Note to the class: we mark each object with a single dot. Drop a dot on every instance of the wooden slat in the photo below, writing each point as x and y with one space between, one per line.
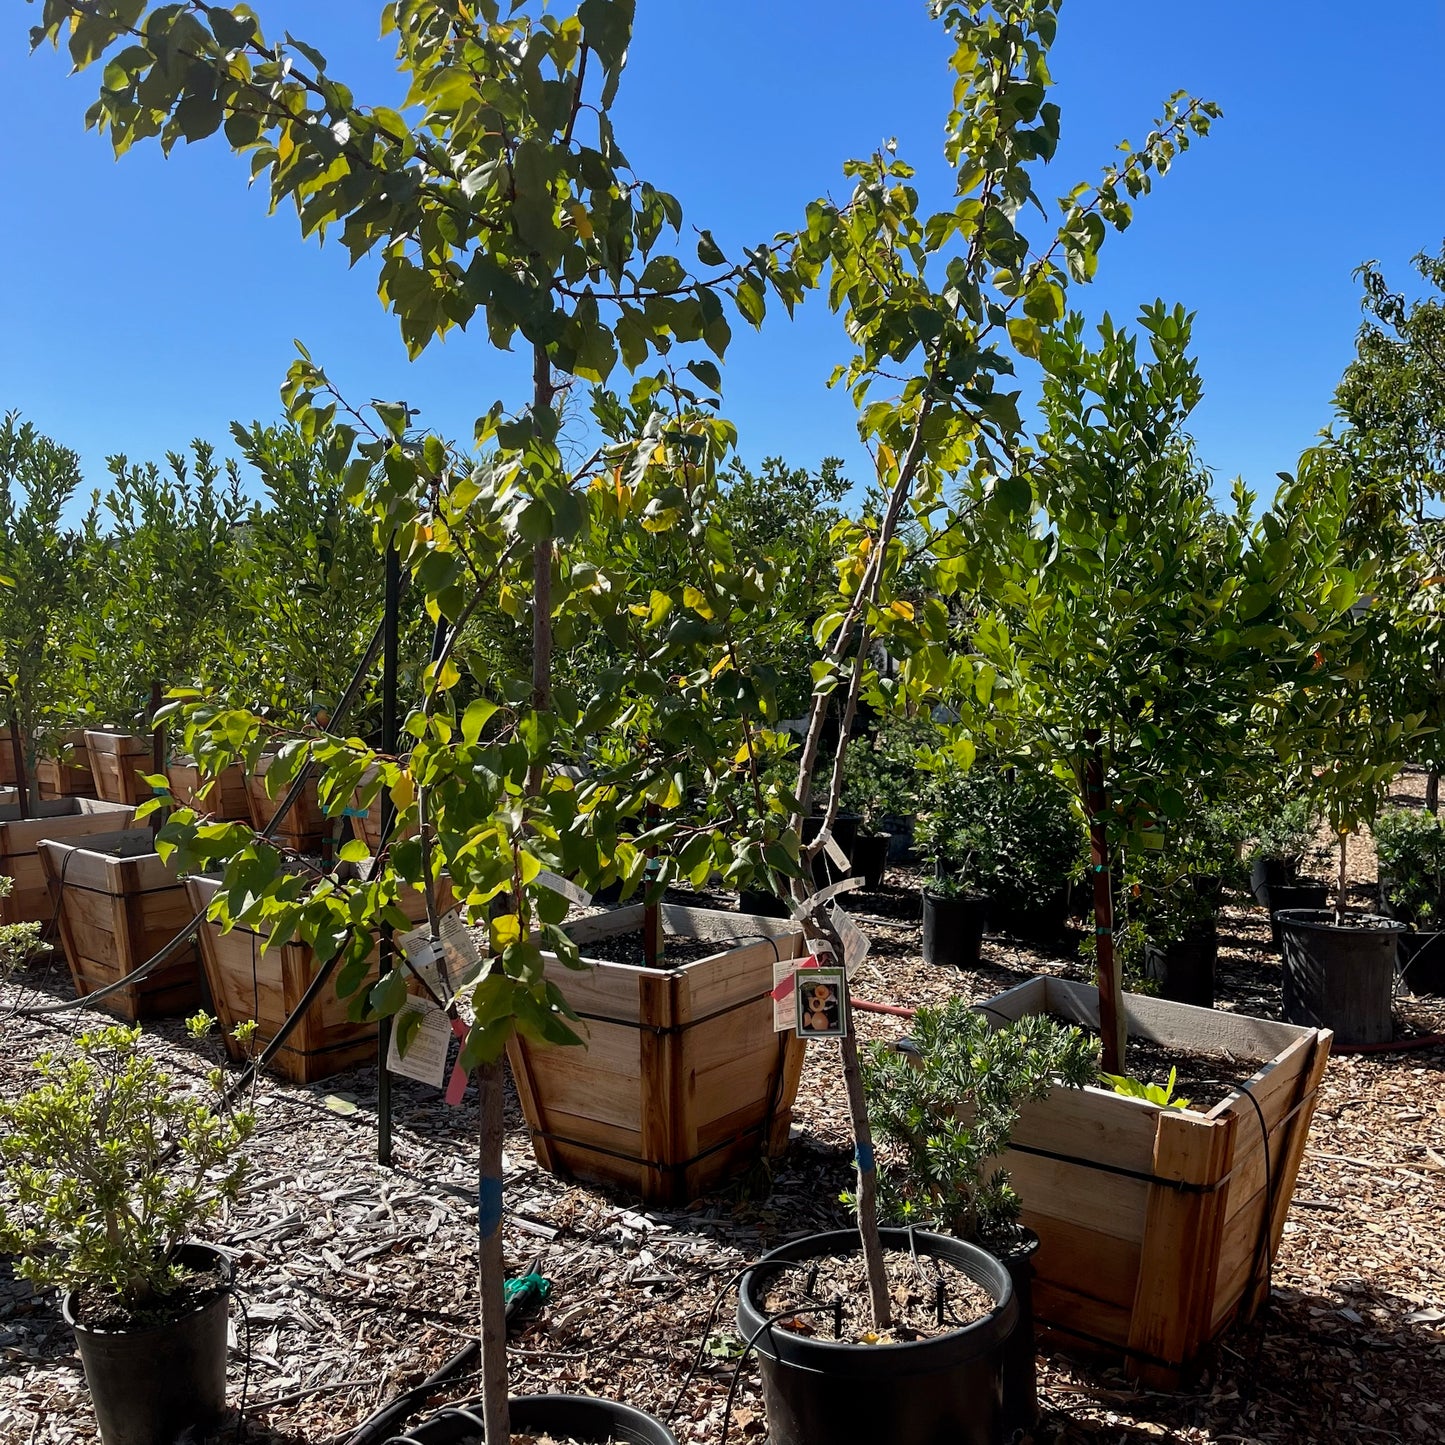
711 923
1091 1124
1179 1265
118 764
1109 1204
1087 1325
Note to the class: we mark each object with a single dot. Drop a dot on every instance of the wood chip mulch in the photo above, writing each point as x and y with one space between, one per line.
359 1281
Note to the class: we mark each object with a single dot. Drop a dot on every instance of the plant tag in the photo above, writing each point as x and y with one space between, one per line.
459 948
816 900
570 891
856 944
785 982
834 849
822 1004
426 1055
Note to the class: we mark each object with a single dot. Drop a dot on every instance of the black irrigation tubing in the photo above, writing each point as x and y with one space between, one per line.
188 931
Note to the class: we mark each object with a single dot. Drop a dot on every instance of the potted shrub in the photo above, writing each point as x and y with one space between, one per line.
944 1104
879 777
110 1171
950 833
1284 836
1410 847
19 942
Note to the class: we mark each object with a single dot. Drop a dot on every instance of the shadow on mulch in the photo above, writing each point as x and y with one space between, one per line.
1308 1369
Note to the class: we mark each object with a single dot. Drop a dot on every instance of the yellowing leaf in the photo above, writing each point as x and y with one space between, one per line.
721 665
902 609
697 599
403 792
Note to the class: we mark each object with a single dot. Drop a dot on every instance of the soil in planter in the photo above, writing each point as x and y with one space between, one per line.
105 1312
676 950
913 1286
1202 1078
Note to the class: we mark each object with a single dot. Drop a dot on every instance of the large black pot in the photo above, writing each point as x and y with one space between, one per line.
1422 962
762 904
869 857
1267 874
845 834
953 929
1020 1359
580 1418
1183 969
1307 895
942 1391
1037 920
151 1385
1340 977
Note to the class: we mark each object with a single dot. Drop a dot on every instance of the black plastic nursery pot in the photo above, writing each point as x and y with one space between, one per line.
151 1385
761 904
1037 920
845 834
579 1418
1020 1357
1422 962
1311 896
1183 969
869 857
1340 977
1267 874
947 1390
953 929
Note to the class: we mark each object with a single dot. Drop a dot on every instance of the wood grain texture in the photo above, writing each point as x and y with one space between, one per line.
304 826
62 819
1172 1254
119 763
682 1062
224 798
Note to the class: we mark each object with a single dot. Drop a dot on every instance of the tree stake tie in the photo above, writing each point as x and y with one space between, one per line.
489 1206
457 1084
863 1158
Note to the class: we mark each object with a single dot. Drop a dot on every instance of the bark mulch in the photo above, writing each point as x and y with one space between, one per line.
359 1281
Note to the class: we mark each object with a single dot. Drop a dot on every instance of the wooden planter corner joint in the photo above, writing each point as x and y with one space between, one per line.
119 905
1157 1226
304 827
682 1082
66 774
20 838
119 763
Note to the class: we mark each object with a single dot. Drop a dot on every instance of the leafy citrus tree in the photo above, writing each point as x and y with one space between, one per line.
1137 624
41 591
160 582
1392 402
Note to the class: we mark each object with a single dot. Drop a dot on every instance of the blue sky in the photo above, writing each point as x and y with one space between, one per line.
149 301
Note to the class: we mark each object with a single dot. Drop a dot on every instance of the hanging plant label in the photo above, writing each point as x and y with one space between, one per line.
821 1003
785 982
834 849
570 891
856 944
426 1055
459 949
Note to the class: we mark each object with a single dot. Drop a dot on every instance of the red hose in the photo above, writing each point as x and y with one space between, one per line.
864 1006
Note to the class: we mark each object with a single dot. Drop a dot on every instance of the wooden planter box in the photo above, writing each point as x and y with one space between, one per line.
119 906
247 983
7 758
225 798
305 826
67 774
62 818
119 763
1152 1221
683 1082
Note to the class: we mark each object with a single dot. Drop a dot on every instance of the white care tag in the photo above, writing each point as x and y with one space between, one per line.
834 849
856 944
426 1054
785 988
423 953
570 891
816 900
459 948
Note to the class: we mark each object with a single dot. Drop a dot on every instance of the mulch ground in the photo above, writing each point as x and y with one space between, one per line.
358 1281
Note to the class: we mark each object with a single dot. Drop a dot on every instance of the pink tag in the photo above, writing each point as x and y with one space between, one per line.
457 1084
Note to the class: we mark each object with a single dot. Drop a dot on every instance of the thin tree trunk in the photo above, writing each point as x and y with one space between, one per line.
543 393
1432 790
867 1185
1344 868
17 751
1112 1023
491 1268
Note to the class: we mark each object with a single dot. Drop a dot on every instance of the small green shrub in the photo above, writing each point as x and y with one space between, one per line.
88 1197
19 942
1284 828
943 1116
1410 845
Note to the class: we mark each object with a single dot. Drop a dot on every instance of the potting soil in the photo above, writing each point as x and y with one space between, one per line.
839 1296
